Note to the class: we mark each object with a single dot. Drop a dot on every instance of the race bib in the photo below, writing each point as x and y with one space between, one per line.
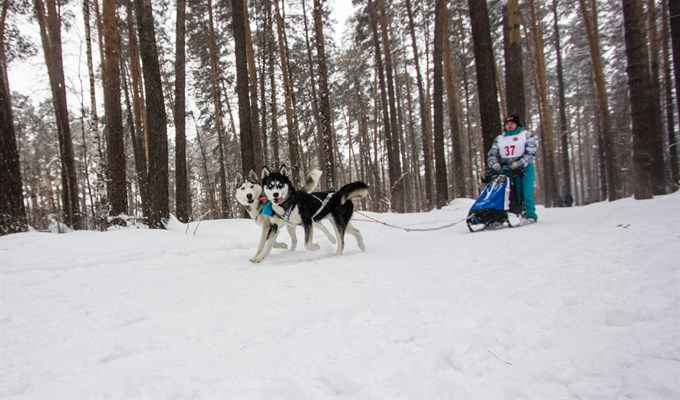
512 146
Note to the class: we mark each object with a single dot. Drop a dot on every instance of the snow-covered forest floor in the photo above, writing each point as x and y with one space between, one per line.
583 304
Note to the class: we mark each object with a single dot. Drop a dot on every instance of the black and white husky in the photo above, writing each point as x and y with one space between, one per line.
293 207
250 195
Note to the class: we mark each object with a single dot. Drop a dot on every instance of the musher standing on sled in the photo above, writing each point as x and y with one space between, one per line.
516 148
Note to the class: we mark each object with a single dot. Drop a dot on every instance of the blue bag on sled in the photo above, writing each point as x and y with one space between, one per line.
493 204
501 195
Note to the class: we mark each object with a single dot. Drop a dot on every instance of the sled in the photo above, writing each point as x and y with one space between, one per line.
501 203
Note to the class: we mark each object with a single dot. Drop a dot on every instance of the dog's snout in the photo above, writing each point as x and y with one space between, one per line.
249 196
276 195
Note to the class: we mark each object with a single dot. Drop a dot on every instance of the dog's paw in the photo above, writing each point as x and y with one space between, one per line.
280 245
313 247
256 260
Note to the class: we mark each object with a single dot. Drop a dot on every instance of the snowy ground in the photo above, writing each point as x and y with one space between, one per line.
584 304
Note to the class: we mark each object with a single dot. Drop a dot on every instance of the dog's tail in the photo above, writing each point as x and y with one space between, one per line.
353 190
312 180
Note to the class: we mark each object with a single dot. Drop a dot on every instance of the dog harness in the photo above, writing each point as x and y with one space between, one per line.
286 214
323 204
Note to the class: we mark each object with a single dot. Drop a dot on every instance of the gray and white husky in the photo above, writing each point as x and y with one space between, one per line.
250 195
296 207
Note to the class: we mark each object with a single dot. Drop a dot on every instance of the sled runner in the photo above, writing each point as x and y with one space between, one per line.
501 197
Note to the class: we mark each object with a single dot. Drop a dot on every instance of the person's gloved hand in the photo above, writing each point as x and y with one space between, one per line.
514 165
496 167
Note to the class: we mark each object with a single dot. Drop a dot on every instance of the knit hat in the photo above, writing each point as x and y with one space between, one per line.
514 117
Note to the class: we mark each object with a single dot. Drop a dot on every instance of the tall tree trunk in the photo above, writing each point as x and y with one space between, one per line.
672 140
245 128
100 201
293 134
674 18
207 182
156 119
486 74
514 69
564 129
12 209
265 52
393 143
181 180
255 131
273 101
459 173
115 144
438 106
660 177
140 131
428 156
639 84
217 102
326 118
417 191
614 191
50 33
393 158
546 115
315 101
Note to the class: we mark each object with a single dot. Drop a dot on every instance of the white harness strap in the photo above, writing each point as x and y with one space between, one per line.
323 204
286 213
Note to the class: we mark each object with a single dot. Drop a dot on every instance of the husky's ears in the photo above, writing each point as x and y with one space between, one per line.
239 178
265 172
253 175
283 170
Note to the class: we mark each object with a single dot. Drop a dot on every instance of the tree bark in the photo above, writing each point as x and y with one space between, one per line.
639 84
100 204
217 103
50 33
392 157
273 101
393 144
12 209
438 106
315 98
546 115
674 18
156 118
325 116
660 177
181 181
428 155
514 69
672 141
256 133
293 134
564 129
139 134
607 138
244 116
486 74
115 145
459 173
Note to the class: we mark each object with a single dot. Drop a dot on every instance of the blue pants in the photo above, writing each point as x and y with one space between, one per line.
527 189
